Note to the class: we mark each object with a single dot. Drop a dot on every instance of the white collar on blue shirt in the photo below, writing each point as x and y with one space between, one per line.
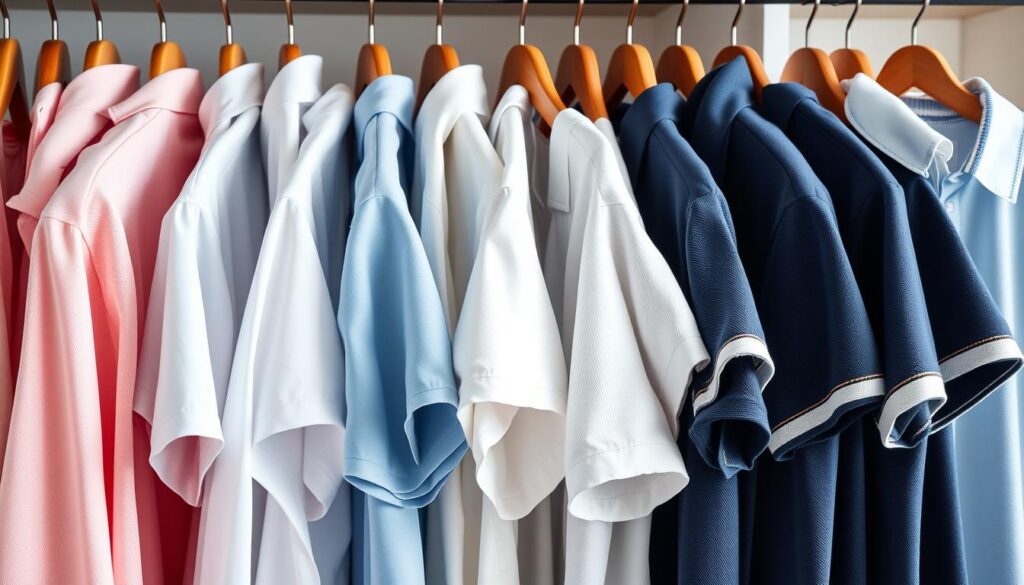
897 129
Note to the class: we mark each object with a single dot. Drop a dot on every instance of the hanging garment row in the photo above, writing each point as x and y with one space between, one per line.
399 336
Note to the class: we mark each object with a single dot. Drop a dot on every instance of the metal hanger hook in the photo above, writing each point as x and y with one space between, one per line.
7 20
736 23
163 21
522 23
371 15
576 23
913 27
629 21
679 22
439 32
99 19
291 21
849 25
810 19
54 27
229 36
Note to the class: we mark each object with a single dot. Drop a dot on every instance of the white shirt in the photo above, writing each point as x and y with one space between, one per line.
209 241
283 417
294 90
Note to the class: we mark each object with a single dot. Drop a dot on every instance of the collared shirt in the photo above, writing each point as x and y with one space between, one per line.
786 229
209 241
75 506
283 418
294 90
726 423
403 437
959 175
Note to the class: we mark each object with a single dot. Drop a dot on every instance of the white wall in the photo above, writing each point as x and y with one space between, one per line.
992 48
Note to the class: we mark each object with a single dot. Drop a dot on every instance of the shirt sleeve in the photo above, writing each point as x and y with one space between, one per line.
634 349
511 365
976 350
404 439
178 391
827 369
54 525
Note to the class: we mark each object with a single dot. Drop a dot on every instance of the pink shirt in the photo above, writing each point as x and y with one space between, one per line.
78 503
12 165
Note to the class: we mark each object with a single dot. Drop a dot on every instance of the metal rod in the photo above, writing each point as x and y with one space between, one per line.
810 19
372 15
7 19
701 2
736 23
849 25
522 23
679 22
576 23
228 33
163 21
54 26
99 19
629 22
291 21
913 27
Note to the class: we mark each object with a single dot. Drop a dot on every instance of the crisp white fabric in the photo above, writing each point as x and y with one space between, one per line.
209 241
294 90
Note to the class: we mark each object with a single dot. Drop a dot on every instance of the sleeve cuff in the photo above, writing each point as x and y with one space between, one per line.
973 372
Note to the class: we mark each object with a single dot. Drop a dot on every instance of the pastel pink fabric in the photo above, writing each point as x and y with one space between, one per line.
12 165
78 502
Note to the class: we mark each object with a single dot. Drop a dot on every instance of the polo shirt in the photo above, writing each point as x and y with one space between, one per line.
76 504
209 241
959 177
403 438
283 418
726 423
786 230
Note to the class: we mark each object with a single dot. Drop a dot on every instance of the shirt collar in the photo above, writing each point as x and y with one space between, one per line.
713 104
178 90
388 94
236 91
656 104
515 97
95 89
460 91
336 100
298 81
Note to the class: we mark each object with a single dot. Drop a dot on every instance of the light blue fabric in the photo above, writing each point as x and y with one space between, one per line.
403 437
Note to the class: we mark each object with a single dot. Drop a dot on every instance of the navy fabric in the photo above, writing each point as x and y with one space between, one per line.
872 215
827 371
724 422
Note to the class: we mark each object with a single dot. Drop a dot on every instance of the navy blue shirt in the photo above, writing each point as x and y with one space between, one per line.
725 421
815 322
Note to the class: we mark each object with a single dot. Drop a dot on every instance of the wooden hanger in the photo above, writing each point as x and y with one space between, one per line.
927 70
680 64
630 69
374 60
232 55
579 76
811 68
166 55
525 65
100 51
753 60
54 63
849 62
13 97
289 51
437 61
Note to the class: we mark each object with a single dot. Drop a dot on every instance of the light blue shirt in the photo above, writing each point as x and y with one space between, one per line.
403 437
976 170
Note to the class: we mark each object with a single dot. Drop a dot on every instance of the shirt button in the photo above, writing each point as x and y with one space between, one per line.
950 206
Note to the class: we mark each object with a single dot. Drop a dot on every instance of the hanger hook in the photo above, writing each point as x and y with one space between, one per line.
228 33
291 21
522 23
629 21
576 23
163 21
54 28
913 27
849 24
439 32
810 19
679 22
371 15
736 22
99 19
7 20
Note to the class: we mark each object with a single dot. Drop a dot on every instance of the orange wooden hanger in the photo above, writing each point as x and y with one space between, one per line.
166 55
289 51
579 76
680 64
630 69
13 97
437 61
754 63
927 70
232 55
525 65
811 68
100 51
374 60
54 63
849 62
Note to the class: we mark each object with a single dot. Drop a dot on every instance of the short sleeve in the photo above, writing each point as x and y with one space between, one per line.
976 350
404 438
827 372
178 390
635 347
